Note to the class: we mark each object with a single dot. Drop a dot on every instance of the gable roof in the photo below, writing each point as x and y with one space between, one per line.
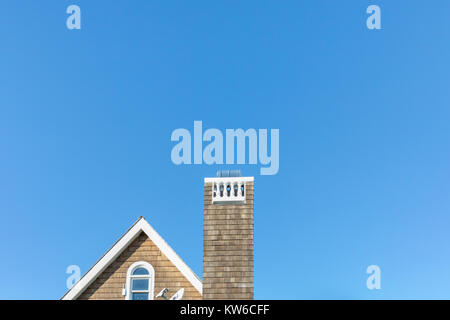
141 225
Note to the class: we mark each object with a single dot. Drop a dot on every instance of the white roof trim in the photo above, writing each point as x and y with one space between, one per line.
120 246
229 179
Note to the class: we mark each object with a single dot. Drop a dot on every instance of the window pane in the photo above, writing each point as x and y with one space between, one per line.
139 284
139 296
140 271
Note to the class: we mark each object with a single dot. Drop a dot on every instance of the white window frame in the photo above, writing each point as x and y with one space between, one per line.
150 277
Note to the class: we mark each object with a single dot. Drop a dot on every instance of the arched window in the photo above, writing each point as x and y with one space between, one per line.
140 281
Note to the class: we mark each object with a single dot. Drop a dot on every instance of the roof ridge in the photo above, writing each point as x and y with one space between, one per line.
120 245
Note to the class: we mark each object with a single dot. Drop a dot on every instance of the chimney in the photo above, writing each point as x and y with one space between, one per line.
228 237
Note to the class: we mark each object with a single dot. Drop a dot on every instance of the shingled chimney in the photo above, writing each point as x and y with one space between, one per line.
228 237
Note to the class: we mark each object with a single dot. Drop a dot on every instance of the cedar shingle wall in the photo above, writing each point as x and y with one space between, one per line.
228 248
108 286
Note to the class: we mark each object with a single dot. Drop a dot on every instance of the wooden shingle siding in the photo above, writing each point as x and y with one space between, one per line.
109 284
228 248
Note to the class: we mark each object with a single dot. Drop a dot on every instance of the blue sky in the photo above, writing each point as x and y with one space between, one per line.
86 118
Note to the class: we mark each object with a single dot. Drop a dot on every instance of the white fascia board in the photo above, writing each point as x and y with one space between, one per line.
103 263
229 179
120 246
172 256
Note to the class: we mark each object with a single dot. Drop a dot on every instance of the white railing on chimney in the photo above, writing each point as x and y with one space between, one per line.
228 190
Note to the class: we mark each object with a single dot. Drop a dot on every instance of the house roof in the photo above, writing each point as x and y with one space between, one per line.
141 225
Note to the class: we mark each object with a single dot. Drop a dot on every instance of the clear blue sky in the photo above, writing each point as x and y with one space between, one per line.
86 118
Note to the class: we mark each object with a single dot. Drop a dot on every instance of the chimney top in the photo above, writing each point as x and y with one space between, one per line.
229 189
228 173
